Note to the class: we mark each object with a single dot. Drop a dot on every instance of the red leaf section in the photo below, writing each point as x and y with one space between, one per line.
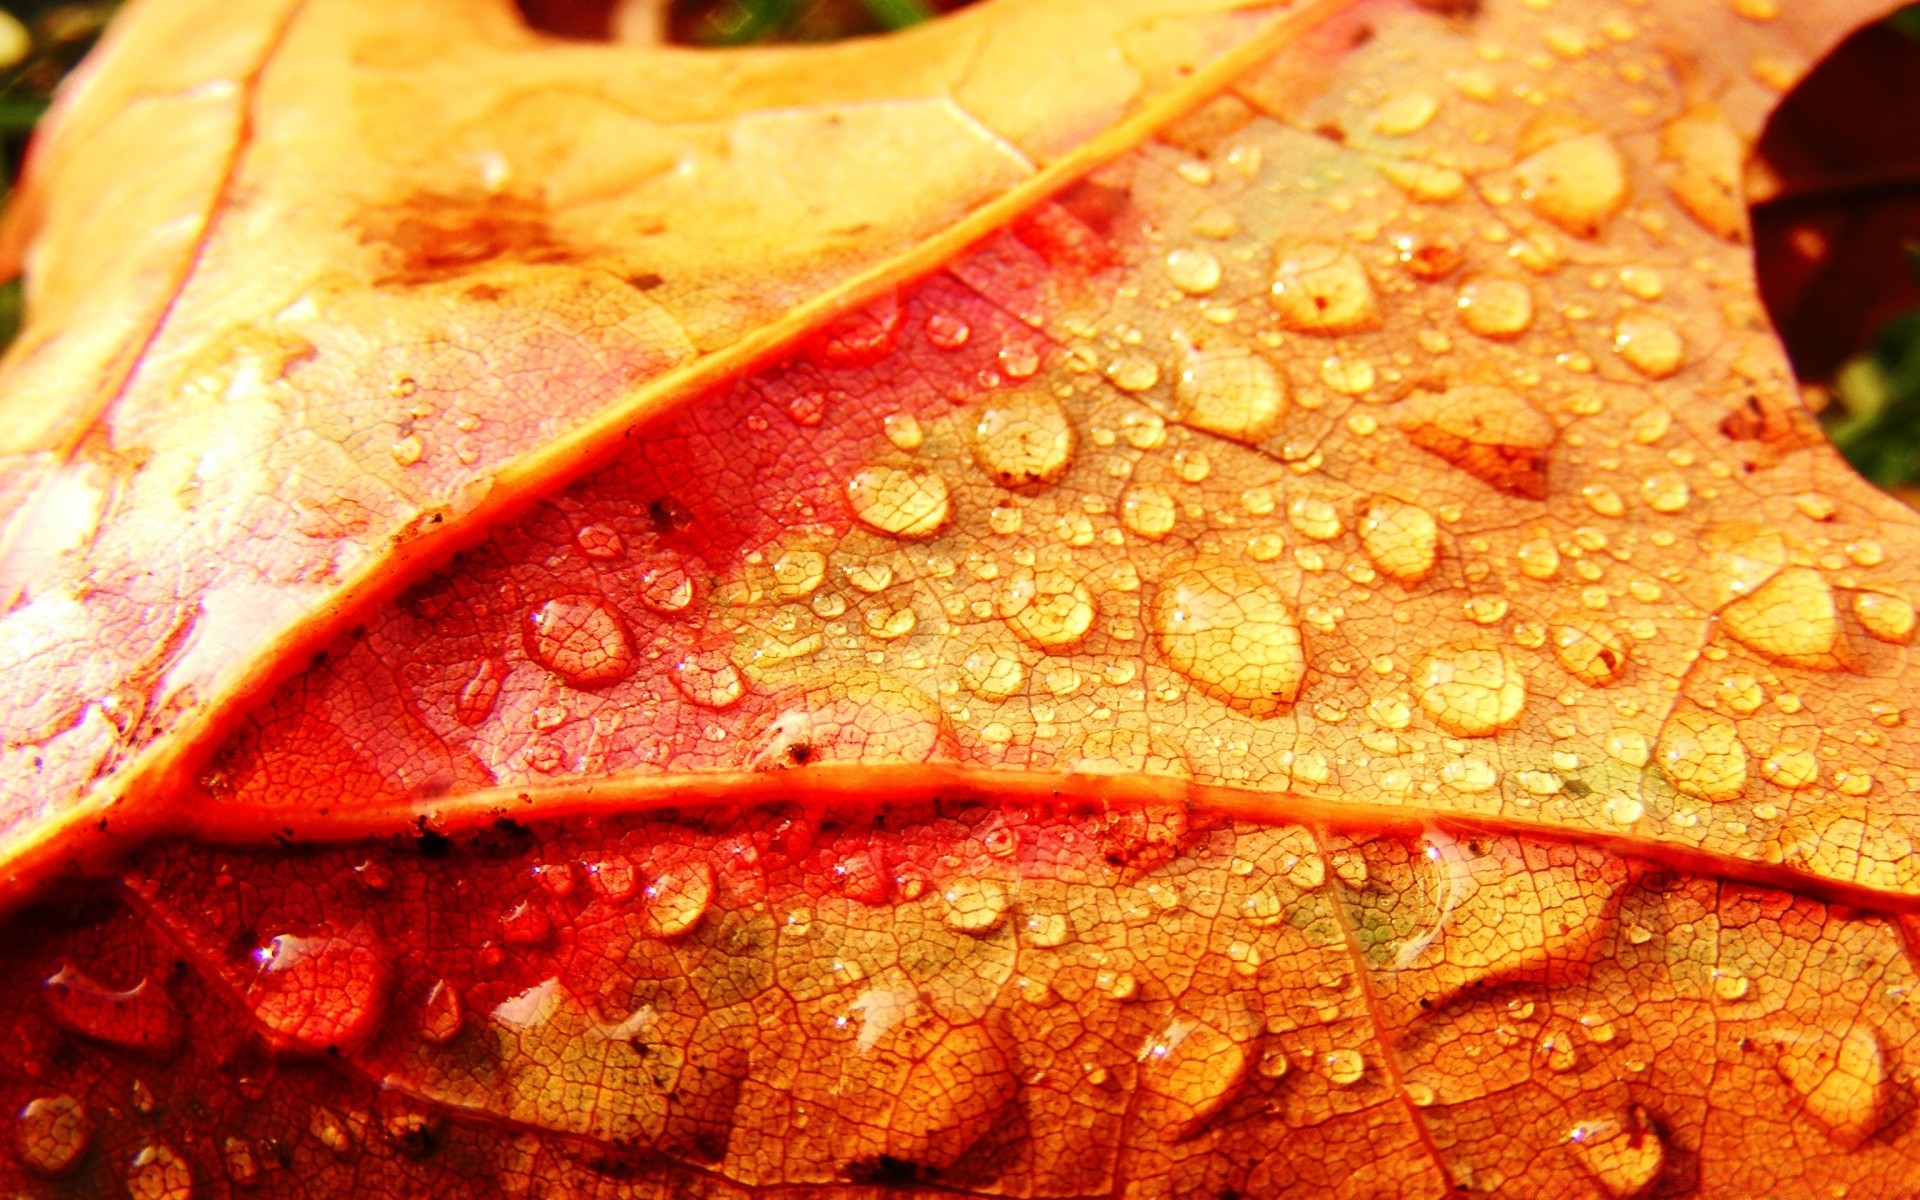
598 635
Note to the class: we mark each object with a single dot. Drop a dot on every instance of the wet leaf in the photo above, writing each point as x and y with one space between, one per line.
1254 612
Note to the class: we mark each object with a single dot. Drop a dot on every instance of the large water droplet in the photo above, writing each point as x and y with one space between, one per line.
1320 288
1231 391
1887 617
1224 627
1022 439
1490 433
157 1172
1576 183
1470 689
1701 755
582 639
1148 511
52 1134
1790 618
1706 160
709 679
906 502
1495 308
1401 539
1195 1069
1650 344
975 906
140 1018
1050 610
1845 1081
677 898
319 993
1624 1156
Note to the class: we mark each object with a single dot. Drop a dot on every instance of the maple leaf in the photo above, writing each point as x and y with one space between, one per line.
1167 598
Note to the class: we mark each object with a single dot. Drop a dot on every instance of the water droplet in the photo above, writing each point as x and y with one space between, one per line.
442 1014
1419 1094
330 1131
797 574
1046 930
408 450
1791 767
1148 511
1117 985
1224 627
613 877
1624 1156
1537 558
975 906
1589 648
905 502
1344 1067
1470 689
1490 433
1706 160
1022 440
1576 183
1314 517
1195 272
1320 288
1231 391
993 672
1556 1050
1400 539
1665 492
1133 373
140 1018
1495 308
947 331
157 1172
1346 374
1049 610
1405 113
1701 755
243 1167
480 692
676 899
583 639
52 1134
319 993
709 679
1844 1081
1887 617
599 541
1195 1070
1791 618
1650 344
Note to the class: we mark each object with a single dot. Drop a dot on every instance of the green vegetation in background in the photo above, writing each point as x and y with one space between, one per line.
741 22
1875 417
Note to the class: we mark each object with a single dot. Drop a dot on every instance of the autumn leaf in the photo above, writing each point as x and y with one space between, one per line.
1148 598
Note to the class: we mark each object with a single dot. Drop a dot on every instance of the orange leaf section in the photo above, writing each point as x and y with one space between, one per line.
1008 1001
310 281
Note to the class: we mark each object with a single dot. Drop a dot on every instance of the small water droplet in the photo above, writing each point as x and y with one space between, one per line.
1624 1156
1650 344
1588 648
1022 439
1195 1069
947 331
1320 288
330 1131
1049 610
1400 539
1844 1078
140 1018
1495 308
1730 985
1133 373
1887 617
599 541
243 1166
1490 433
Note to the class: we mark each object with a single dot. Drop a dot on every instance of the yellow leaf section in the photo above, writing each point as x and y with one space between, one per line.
436 263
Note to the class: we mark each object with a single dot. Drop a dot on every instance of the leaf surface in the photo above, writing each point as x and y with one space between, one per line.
1316 653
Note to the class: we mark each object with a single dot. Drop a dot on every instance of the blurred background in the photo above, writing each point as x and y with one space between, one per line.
1835 181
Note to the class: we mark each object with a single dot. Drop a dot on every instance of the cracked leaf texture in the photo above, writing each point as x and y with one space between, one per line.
1145 599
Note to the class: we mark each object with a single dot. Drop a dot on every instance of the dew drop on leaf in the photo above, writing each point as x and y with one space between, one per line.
580 638
51 1134
321 992
1232 633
